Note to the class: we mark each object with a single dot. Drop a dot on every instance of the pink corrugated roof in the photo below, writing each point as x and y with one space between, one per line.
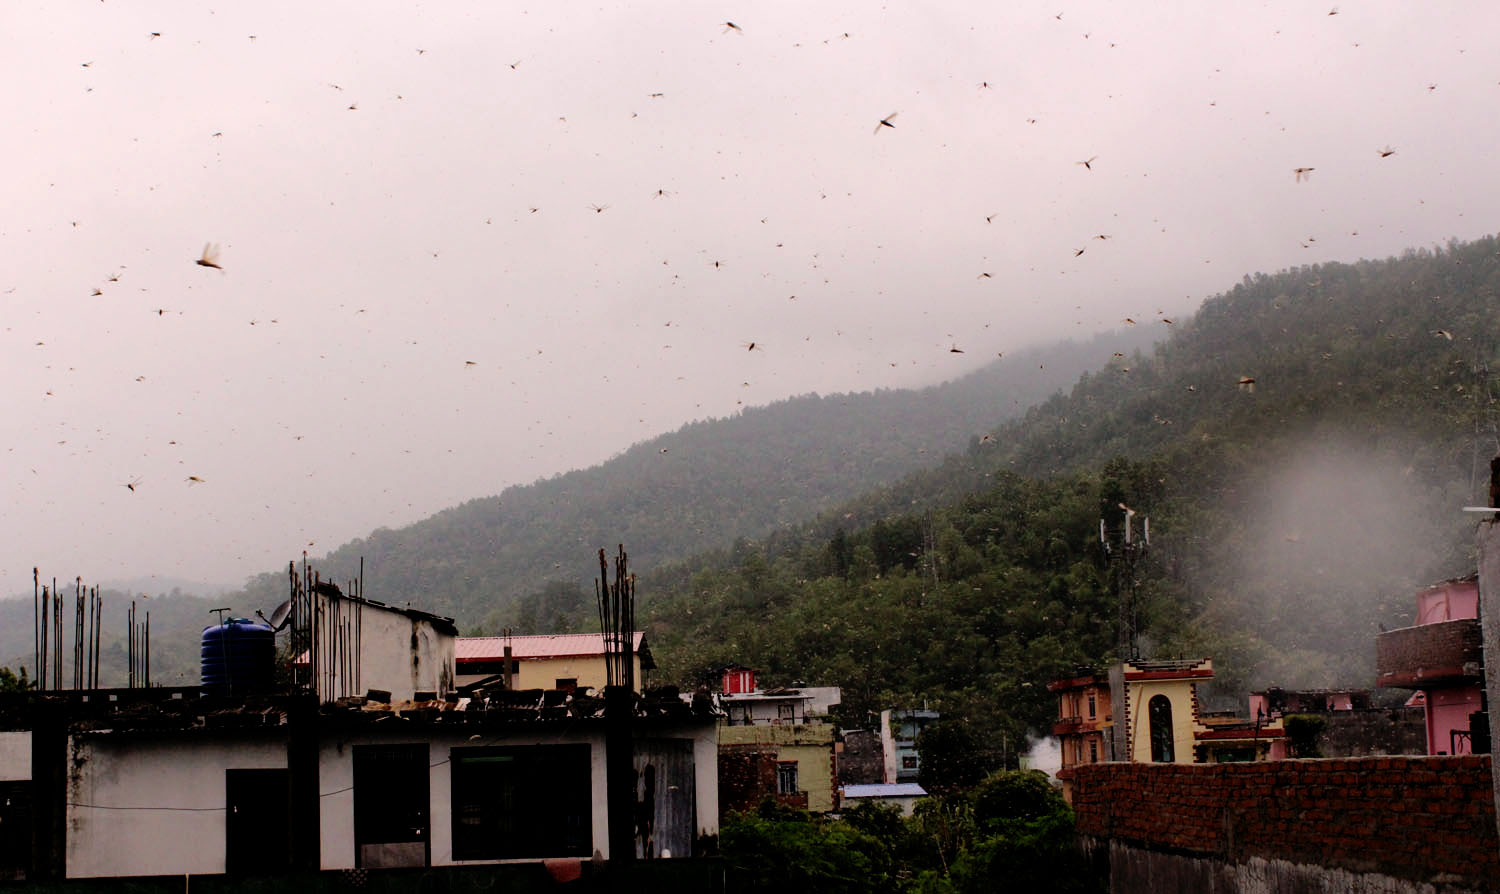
492 648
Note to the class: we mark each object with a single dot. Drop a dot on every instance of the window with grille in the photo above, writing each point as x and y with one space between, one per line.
786 778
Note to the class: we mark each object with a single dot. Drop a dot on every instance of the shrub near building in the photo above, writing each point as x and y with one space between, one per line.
1024 840
781 850
1011 832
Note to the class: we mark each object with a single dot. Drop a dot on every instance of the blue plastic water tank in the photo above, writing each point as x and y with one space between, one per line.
239 657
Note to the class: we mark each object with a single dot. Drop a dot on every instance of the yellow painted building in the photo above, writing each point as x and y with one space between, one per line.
1161 709
559 661
804 758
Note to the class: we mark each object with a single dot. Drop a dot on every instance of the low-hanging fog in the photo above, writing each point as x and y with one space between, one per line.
1328 540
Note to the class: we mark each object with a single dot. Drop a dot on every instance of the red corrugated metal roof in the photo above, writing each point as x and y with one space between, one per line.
492 648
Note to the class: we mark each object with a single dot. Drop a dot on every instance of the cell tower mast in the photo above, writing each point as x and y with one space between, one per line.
1124 546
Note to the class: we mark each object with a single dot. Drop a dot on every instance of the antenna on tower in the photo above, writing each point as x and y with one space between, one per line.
1123 547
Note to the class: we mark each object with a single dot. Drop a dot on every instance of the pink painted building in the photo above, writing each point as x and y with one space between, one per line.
1442 657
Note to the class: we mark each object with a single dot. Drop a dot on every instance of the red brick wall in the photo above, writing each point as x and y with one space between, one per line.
1409 817
1431 652
747 774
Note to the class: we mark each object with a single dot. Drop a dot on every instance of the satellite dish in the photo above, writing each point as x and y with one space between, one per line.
278 619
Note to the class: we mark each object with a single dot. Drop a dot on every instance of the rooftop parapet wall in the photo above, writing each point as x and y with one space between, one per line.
1408 817
1430 654
785 734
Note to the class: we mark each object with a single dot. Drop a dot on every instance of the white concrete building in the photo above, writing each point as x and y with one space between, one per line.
780 706
412 787
156 806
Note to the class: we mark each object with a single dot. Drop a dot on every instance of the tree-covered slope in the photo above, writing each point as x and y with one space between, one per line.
1289 521
694 489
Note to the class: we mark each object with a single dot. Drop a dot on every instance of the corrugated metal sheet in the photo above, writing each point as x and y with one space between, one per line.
888 790
492 648
666 798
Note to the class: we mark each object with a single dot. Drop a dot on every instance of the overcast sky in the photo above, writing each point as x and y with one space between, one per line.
468 245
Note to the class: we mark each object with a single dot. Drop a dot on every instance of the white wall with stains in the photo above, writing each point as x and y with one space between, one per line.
140 805
397 652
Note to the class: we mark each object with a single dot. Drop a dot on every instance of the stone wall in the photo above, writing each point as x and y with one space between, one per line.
1419 820
1134 870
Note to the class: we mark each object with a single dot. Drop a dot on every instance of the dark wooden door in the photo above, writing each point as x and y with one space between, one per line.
255 821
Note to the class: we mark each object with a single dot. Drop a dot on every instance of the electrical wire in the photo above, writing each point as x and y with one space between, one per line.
117 807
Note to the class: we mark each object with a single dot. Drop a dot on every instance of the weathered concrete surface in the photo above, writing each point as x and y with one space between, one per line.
743 778
1134 870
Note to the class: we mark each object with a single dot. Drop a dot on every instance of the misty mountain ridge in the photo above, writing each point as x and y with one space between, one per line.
1302 446
694 489
1289 519
158 585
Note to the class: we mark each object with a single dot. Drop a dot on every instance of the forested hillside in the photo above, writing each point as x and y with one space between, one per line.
695 489
1291 516
1289 519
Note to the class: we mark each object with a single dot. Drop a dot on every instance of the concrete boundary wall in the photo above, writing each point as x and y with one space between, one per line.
1423 821
1135 870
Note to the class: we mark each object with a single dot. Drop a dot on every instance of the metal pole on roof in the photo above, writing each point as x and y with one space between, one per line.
88 658
57 636
77 632
617 618
508 656
1488 543
98 626
36 626
359 630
